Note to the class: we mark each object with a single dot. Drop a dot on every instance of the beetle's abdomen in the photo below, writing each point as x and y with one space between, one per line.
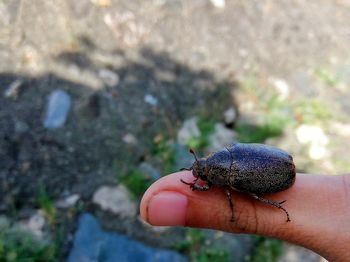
260 169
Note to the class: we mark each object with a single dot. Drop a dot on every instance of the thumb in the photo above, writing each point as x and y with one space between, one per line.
169 202
316 204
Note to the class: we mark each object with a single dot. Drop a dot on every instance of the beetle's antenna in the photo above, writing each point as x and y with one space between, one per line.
194 154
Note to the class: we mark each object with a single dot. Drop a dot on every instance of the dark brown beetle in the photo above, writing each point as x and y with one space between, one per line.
256 169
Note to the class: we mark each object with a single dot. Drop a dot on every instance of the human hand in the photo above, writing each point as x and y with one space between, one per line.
319 208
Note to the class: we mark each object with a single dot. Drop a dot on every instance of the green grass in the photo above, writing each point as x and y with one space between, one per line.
275 118
206 127
327 77
198 251
266 250
136 182
21 246
164 150
312 111
46 204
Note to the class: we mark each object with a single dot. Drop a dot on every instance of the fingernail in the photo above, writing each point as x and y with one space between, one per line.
167 209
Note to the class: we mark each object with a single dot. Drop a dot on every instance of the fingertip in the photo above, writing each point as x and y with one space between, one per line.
173 197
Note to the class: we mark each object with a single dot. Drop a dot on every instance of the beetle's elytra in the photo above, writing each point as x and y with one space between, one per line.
252 168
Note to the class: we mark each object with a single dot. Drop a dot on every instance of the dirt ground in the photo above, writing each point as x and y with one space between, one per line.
183 53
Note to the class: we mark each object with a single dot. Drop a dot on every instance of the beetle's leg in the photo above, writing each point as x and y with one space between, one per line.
200 188
190 184
186 168
228 194
272 203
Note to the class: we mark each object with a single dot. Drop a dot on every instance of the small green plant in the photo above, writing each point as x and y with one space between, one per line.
327 77
136 182
206 128
276 116
17 244
312 111
164 150
195 247
47 205
266 250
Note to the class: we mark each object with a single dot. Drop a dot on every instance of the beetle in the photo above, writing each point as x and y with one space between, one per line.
255 169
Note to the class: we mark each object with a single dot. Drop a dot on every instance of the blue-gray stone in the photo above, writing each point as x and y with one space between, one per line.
182 156
92 244
57 109
149 171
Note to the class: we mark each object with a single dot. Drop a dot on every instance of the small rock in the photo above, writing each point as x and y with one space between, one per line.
130 139
315 138
93 244
281 87
149 171
101 3
59 104
13 90
109 77
35 223
182 156
309 134
116 200
151 100
68 202
218 3
221 137
293 253
317 152
230 116
341 129
188 131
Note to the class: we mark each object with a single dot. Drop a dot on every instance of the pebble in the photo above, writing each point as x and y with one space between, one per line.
188 131
282 88
149 171
221 137
59 104
92 244
129 139
13 90
68 202
109 77
311 134
35 224
315 137
150 99
218 3
182 156
230 116
116 200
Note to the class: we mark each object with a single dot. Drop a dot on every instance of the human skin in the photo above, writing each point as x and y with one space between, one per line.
319 208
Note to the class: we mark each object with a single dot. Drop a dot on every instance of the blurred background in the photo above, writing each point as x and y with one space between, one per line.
99 98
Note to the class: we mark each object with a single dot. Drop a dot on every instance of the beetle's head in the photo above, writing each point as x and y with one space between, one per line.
199 167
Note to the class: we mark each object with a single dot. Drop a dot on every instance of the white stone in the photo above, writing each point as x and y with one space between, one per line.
68 202
109 77
150 99
35 224
218 3
188 131
13 90
317 152
341 129
221 137
230 115
129 139
116 200
281 87
310 134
